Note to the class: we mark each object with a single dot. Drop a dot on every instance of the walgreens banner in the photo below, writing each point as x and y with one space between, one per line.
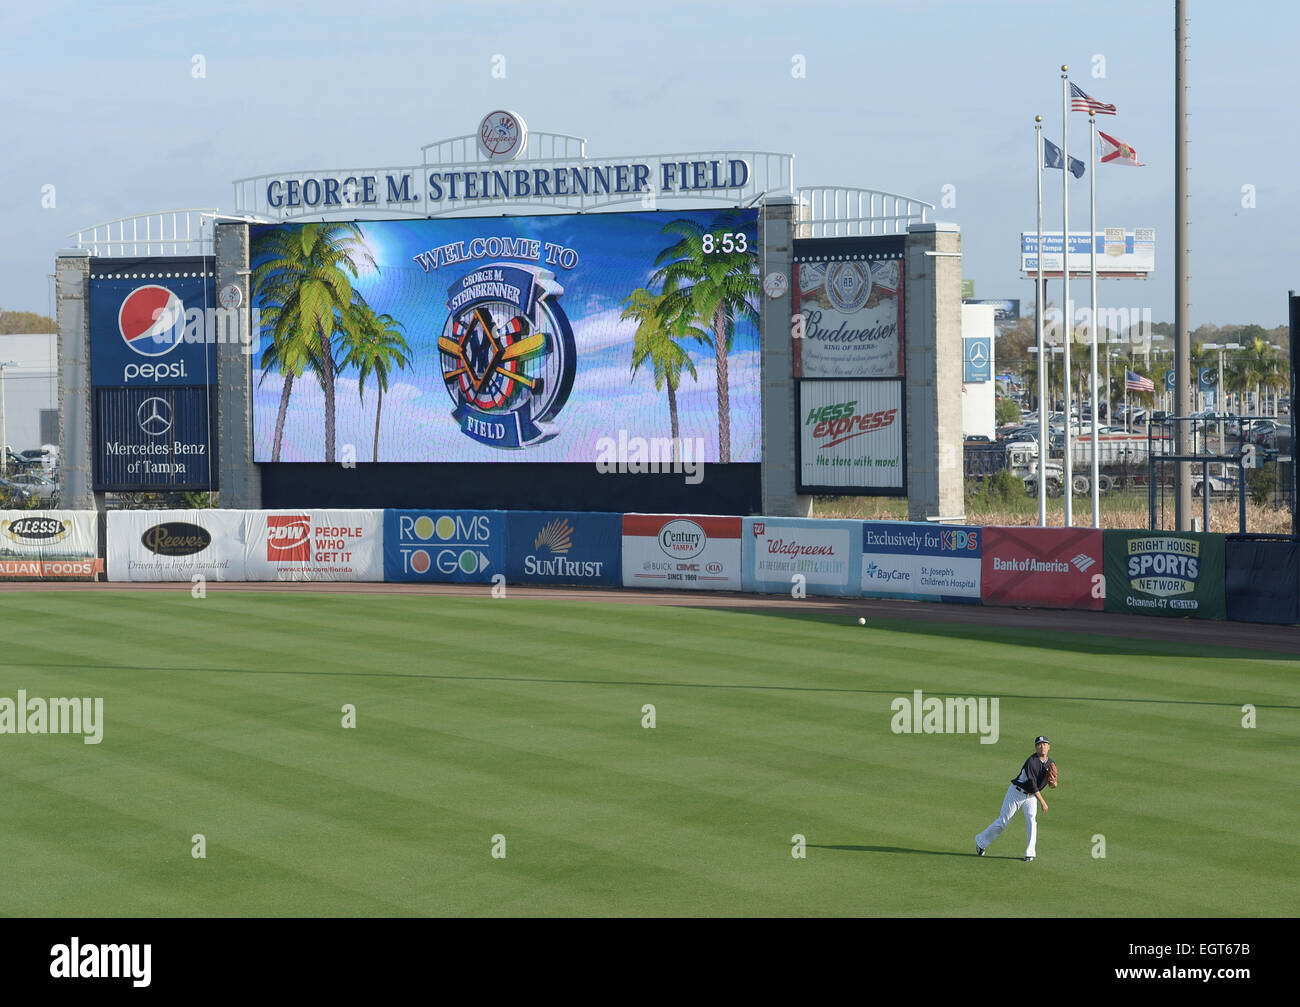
1044 567
785 554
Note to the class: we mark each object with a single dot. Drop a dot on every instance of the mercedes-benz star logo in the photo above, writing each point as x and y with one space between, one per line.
979 354
155 416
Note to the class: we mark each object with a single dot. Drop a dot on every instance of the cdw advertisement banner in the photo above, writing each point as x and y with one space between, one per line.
923 562
681 553
314 545
175 545
851 436
41 545
784 555
1044 567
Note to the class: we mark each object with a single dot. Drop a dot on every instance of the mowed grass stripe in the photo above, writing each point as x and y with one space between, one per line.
766 727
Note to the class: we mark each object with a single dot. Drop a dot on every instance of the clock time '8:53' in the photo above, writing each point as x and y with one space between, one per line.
726 243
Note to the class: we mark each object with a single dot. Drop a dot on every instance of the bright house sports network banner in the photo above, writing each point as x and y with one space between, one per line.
508 338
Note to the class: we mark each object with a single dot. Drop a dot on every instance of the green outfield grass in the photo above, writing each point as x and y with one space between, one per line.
478 716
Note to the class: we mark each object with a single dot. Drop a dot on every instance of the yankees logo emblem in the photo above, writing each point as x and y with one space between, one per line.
507 354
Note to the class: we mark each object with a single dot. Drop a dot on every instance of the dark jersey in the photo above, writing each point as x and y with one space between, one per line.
1033 774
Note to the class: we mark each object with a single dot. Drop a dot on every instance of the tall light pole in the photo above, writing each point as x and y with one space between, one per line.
4 439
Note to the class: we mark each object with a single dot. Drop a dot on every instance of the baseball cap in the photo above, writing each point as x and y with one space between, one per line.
1042 738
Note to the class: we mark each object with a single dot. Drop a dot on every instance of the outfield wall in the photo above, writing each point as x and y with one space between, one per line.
1155 573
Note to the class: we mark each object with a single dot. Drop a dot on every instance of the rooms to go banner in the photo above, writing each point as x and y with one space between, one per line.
851 436
517 339
848 304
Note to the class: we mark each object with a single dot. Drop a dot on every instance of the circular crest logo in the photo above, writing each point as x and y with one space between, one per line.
152 320
508 354
848 285
155 416
775 285
502 136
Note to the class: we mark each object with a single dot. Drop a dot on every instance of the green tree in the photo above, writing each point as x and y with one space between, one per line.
303 276
657 343
375 346
717 287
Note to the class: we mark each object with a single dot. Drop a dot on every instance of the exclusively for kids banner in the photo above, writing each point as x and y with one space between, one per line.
1165 573
49 544
787 555
923 562
508 339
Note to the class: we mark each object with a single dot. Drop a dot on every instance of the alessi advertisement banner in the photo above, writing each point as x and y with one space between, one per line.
681 552
445 546
1044 567
175 545
791 555
851 436
1165 573
45 545
923 562
323 545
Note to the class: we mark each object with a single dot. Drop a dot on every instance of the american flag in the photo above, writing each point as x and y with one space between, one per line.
1137 383
1082 102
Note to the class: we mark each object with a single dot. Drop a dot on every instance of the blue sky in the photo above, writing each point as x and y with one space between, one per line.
904 96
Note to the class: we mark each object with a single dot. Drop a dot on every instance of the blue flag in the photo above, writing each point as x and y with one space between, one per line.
1052 159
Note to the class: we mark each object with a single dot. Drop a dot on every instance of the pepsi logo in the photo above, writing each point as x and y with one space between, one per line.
288 537
152 320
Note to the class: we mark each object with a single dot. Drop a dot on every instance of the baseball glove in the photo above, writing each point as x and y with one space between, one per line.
1052 776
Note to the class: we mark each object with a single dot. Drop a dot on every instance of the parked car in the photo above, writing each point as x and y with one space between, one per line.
33 486
13 492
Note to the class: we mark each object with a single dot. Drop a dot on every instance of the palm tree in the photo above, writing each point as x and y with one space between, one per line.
303 274
716 287
656 342
375 344
290 356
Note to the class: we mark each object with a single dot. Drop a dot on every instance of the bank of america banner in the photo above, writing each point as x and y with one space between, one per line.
153 323
848 305
851 437
50 544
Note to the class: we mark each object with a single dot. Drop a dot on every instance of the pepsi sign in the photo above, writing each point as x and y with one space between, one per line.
148 322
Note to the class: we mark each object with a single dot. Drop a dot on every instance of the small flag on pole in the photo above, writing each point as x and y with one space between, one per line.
1052 158
1118 152
1137 383
1083 102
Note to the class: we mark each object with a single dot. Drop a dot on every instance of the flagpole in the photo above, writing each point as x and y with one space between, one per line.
1065 275
1039 290
1092 242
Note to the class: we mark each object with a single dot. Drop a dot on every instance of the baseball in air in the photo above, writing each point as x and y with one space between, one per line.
861 621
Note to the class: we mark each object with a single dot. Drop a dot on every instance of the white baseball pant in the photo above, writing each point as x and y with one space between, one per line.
1016 800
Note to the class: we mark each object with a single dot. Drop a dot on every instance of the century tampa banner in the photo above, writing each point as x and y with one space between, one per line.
41 545
1165 573
682 552
511 339
851 437
922 562
848 304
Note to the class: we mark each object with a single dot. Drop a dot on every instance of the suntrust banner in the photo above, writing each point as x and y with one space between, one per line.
550 547
682 552
1043 567
923 562
43 545
1165 573
793 555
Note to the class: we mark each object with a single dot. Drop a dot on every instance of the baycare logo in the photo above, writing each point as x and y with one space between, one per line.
956 539
288 538
1164 566
36 530
682 539
835 424
886 574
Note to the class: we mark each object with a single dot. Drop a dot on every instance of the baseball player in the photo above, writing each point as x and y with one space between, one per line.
1025 793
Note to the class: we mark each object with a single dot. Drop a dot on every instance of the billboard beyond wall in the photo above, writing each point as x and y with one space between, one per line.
559 338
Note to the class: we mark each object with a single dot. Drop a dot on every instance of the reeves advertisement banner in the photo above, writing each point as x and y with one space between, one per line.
923 562
446 546
1165 573
51 544
814 556
155 440
1044 567
175 545
682 553
324 545
550 547
150 322
848 304
851 436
